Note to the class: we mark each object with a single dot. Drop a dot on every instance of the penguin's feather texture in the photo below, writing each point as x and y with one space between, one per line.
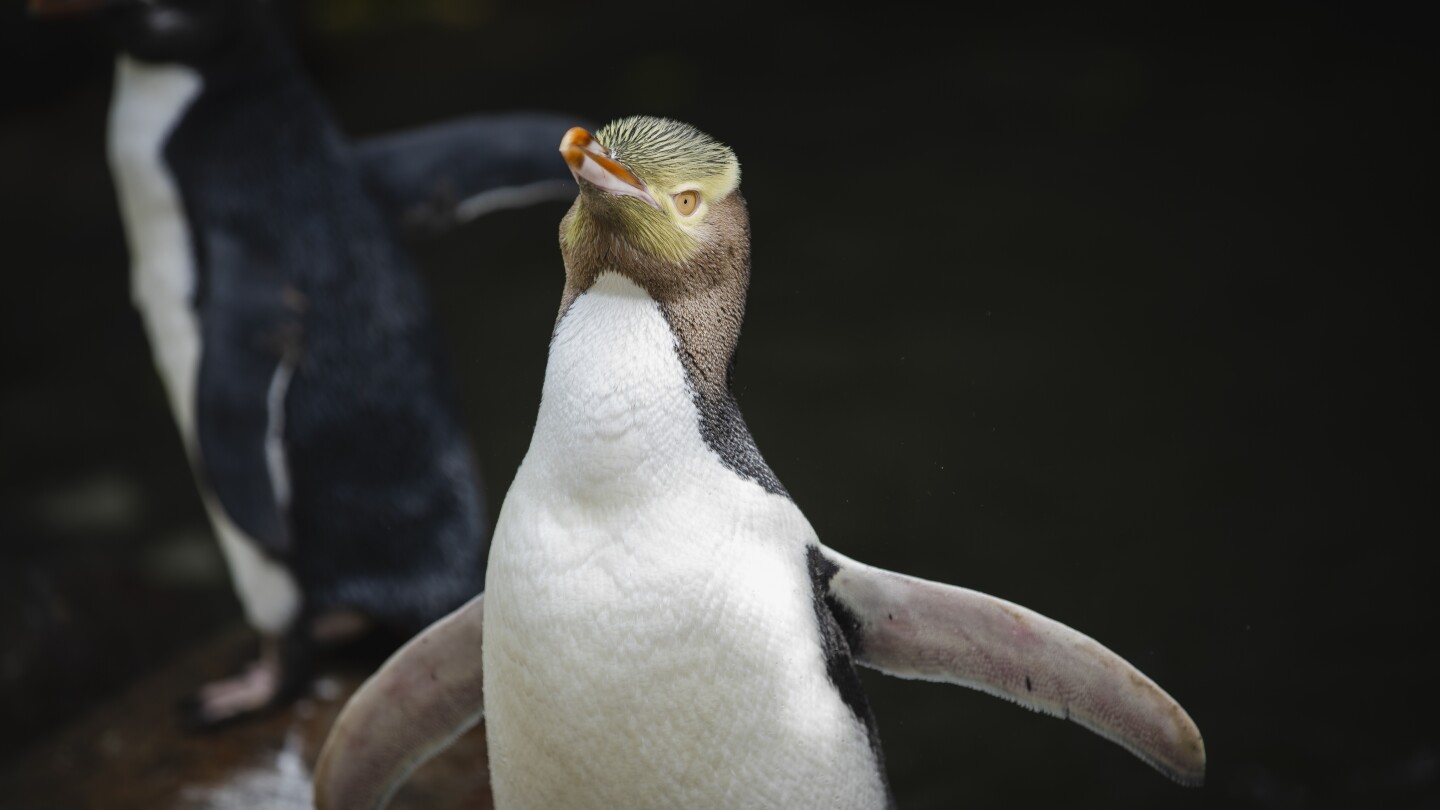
661 627
627 551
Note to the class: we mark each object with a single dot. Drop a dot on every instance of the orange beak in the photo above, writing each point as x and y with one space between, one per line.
592 163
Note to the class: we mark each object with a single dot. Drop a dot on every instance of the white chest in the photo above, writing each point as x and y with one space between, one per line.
650 639
148 102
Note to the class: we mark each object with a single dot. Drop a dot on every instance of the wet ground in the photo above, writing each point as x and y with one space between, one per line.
1125 318
131 757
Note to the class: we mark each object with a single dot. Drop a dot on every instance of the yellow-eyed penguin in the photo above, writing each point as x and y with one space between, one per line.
662 628
304 367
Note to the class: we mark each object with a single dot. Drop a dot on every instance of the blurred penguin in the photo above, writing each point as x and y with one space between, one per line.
294 338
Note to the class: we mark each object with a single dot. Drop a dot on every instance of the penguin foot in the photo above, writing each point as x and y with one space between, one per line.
339 628
250 691
280 674
218 703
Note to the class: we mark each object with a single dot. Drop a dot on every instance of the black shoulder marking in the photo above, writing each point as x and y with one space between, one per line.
840 642
723 427
839 634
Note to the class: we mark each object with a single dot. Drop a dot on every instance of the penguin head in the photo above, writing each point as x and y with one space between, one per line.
659 202
190 32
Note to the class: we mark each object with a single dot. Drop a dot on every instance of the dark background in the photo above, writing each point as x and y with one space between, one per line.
1118 315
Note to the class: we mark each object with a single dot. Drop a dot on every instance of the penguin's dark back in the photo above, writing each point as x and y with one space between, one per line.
296 266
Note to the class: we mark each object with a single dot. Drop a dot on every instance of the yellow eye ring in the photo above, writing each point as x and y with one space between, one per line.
686 202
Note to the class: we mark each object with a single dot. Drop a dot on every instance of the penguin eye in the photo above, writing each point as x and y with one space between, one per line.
686 202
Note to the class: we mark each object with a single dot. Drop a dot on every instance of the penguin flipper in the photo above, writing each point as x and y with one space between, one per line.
241 396
914 628
413 707
429 179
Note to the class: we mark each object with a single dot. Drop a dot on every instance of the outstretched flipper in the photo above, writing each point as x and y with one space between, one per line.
913 628
424 697
432 178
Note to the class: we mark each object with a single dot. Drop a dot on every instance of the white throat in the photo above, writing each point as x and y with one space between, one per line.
616 413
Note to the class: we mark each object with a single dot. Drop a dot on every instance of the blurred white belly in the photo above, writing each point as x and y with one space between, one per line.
149 101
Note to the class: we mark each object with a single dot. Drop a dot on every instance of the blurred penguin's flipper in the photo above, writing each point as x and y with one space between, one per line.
250 352
430 179
913 628
424 697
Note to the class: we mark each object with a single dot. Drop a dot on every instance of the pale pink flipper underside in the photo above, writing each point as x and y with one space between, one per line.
425 696
914 628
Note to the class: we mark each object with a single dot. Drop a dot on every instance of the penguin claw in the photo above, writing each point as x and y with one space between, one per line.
283 669
276 677
220 703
